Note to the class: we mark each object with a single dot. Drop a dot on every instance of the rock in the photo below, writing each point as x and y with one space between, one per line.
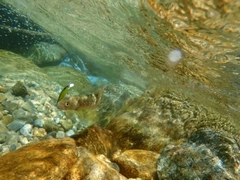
3 128
20 114
66 124
3 89
26 130
12 138
60 134
15 125
208 155
46 54
6 119
96 140
10 106
39 132
158 117
13 147
89 167
70 133
137 163
47 159
23 140
62 75
38 123
2 97
3 137
19 89
28 106
49 126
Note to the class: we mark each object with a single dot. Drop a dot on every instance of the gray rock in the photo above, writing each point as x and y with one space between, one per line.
28 106
2 97
10 106
15 125
60 134
70 133
66 124
26 130
13 147
38 123
12 138
19 89
23 115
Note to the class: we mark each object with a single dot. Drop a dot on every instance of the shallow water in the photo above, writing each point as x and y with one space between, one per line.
129 42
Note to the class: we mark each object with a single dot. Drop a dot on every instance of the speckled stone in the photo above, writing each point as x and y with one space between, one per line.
20 114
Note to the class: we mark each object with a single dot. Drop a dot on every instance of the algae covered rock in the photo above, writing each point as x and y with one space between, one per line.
208 155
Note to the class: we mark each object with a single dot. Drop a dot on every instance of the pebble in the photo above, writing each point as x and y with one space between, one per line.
23 140
70 133
2 97
10 106
66 124
12 138
21 114
49 125
15 125
13 147
60 134
39 132
3 137
28 106
26 130
38 123
6 119
3 128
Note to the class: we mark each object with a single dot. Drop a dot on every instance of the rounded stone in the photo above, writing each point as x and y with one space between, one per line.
38 123
70 133
60 134
66 124
26 130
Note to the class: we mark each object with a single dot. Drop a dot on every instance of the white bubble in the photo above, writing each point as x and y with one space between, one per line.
174 57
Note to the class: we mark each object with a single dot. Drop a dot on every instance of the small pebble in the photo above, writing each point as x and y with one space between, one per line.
38 123
26 130
70 133
39 132
60 134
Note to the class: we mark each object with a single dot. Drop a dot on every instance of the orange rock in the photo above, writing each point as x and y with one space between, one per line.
89 166
137 163
48 159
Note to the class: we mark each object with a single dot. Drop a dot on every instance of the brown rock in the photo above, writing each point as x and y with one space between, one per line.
137 163
48 159
97 140
89 167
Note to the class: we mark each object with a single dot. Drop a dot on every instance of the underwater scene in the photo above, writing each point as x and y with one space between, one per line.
120 89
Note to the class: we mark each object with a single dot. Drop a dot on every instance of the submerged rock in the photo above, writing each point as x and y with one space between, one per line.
91 167
96 140
208 155
137 163
159 118
48 159
19 89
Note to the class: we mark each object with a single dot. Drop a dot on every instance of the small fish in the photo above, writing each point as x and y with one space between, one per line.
64 92
82 102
